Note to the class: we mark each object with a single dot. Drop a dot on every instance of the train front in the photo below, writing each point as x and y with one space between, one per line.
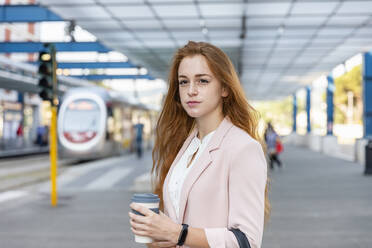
81 126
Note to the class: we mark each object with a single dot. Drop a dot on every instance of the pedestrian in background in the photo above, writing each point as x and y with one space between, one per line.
45 137
138 132
20 135
273 145
39 135
210 168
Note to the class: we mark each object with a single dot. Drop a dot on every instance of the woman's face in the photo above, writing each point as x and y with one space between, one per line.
200 92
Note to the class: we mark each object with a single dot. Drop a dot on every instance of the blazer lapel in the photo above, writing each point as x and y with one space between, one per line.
202 163
170 207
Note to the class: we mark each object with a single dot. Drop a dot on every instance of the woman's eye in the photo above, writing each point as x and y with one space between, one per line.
182 82
204 81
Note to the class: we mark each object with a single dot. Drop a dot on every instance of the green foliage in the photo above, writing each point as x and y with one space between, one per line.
277 112
350 81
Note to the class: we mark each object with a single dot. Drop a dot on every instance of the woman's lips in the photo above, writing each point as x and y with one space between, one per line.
192 103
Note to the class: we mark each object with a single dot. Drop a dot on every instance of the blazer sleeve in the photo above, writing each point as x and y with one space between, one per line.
247 182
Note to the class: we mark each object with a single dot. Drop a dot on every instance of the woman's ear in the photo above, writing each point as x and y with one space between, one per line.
225 92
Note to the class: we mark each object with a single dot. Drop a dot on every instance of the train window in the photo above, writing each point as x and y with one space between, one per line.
110 123
109 111
81 121
118 124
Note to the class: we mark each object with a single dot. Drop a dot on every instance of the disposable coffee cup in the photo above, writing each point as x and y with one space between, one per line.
151 201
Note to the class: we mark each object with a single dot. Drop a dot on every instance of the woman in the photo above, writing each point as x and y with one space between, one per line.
210 169
272 139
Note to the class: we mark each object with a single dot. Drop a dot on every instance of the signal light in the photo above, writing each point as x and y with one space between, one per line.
46 95
44 82
45 70
44 56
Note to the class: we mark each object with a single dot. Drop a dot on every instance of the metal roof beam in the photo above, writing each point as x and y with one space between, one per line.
98 77
27 13
93 65
35 47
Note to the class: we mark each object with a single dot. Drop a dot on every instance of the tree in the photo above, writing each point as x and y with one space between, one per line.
349 82
278 112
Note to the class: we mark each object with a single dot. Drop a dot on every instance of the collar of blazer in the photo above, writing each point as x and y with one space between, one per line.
200 165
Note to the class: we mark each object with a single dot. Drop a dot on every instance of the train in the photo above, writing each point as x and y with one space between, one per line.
94 122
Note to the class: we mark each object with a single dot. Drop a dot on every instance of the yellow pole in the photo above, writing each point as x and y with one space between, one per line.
53 133
53 156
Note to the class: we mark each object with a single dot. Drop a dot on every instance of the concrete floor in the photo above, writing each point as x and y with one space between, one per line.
317 201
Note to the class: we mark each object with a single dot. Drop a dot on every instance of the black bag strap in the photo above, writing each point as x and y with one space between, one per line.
242 239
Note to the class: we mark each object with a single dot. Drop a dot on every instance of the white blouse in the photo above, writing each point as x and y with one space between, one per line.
181 170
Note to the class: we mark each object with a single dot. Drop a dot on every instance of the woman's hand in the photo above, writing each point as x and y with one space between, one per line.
159 227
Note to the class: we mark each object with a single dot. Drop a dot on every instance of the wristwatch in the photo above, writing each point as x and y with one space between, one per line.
183 234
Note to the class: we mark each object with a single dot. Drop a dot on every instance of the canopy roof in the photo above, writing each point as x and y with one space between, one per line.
276 45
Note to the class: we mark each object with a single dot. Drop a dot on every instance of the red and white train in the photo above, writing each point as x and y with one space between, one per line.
94 122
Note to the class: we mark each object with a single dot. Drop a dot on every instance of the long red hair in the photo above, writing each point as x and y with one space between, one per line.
174 125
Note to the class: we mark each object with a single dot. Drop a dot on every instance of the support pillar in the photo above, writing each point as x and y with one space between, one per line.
21 100
367 113
308 108
330 106
367 95
294 128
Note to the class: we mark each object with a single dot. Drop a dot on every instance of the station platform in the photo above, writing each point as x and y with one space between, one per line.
25 151
317 201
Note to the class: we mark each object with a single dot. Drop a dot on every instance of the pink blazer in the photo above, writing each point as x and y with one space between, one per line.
224 189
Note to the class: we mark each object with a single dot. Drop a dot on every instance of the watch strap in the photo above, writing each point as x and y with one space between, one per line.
183 234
